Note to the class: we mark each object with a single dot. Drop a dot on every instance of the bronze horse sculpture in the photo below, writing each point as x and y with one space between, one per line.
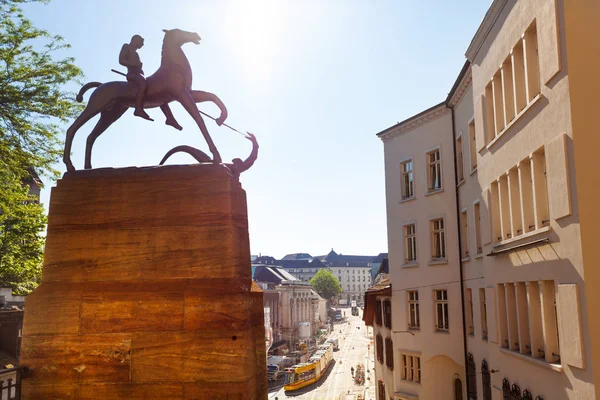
171 82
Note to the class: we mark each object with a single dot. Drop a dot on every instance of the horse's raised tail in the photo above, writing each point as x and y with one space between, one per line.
85 88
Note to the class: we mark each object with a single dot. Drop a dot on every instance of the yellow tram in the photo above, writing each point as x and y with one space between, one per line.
301 375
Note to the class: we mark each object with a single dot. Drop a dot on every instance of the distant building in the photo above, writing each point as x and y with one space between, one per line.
353 273
295 310
298 256
295 264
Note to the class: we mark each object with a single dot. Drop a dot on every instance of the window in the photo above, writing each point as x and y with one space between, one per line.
514 86
470 325
483 308
411 368
438 240
472 146
520 198
441 306
528 320
477 217
460 170
389 353
464 233
378 312
387 314
471 378
413 310
434 168
379 348
410 243
407 188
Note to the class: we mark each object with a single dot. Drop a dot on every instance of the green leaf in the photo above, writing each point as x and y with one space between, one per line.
325 284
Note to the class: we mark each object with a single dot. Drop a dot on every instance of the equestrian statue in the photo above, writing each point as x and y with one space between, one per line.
171 82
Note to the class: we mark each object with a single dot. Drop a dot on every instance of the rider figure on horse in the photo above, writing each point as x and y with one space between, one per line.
130 59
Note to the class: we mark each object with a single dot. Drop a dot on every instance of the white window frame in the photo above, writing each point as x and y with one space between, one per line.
470 322
412 297
430 171
483 310
411 368
406 239
438 237
464 230
472 145
443 325
403 173
478 235
460 161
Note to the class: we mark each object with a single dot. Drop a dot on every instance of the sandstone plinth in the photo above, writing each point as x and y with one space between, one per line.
146 290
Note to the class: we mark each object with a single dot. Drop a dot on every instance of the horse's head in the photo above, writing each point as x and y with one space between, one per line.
177 37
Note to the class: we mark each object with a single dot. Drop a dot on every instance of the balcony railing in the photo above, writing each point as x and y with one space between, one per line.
10 383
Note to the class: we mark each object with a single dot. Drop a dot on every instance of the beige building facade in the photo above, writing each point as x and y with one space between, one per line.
526 291
424 271
518 323
354 281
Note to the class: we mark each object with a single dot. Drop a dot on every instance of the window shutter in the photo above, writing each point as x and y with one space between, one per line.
548 41
479 129
557 176
484 217
567 308
490 299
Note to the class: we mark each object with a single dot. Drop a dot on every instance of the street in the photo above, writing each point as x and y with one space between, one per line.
353 342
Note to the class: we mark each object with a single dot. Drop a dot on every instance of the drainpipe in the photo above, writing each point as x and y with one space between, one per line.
460 263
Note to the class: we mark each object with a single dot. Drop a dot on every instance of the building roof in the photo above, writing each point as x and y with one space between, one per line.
380 257
485 27
383 268
264 260
272 274
334 259
297 256
460 86
415 121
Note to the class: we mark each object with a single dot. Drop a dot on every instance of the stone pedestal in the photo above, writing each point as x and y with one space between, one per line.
146 290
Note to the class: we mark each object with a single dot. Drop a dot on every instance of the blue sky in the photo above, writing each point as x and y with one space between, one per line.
314 80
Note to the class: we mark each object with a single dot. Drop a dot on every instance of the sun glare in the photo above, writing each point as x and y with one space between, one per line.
256 34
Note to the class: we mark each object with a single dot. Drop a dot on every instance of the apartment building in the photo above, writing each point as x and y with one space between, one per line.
518 258
523 271
424 303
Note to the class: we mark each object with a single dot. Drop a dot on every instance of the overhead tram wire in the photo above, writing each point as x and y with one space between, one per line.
201 112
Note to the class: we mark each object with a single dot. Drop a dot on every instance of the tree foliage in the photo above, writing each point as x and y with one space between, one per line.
21 245
33 98
33 102
326 284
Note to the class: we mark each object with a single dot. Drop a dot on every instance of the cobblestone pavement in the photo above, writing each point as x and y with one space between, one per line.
354 340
